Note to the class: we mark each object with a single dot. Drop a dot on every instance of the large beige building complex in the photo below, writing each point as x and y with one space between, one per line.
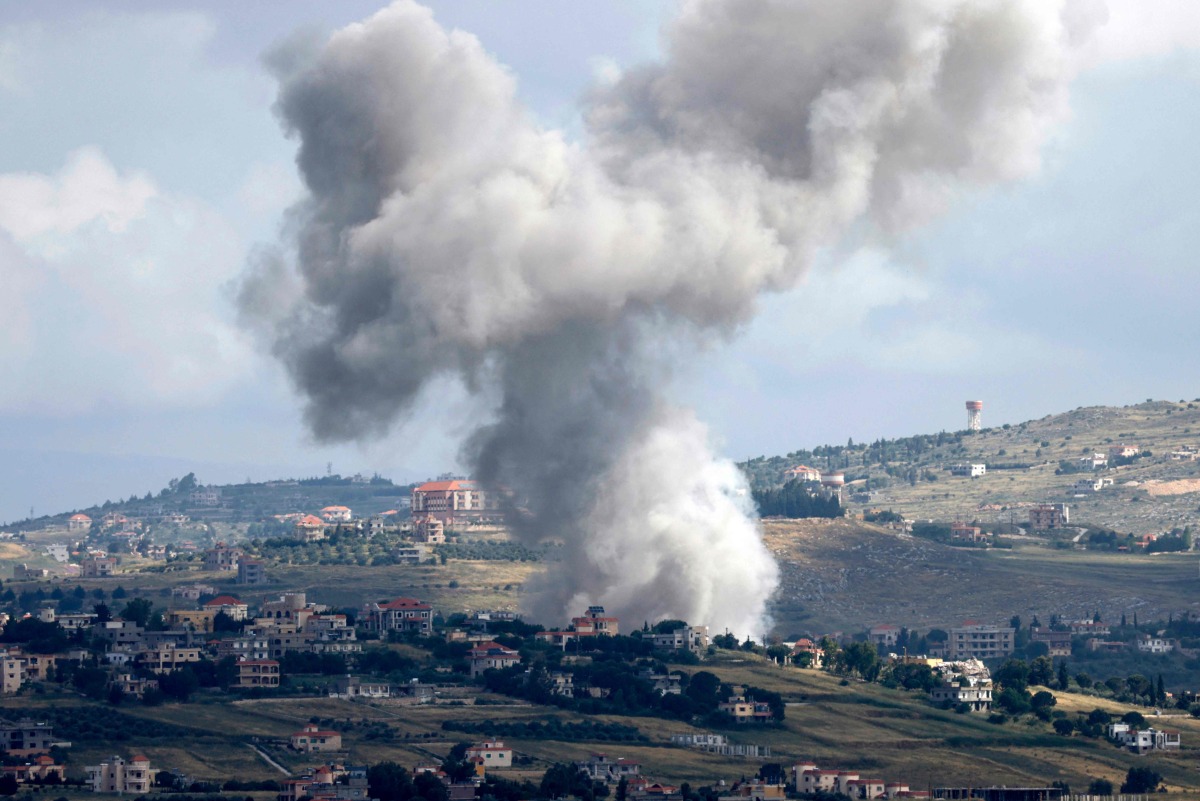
454 500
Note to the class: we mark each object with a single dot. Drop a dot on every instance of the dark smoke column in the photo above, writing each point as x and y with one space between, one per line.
445 234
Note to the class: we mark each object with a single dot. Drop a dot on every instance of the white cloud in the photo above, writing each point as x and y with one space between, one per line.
87 188
1126 30
119 288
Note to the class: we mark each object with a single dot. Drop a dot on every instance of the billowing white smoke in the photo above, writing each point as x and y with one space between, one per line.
446 233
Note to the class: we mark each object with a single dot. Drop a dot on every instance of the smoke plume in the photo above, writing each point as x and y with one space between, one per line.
446 233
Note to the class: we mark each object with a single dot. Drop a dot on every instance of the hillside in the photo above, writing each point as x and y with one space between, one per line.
847 575
911 475
891 734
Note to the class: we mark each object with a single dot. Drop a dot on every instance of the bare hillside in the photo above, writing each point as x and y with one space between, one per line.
847 575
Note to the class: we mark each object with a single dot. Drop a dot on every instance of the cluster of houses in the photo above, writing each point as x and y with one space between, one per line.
289 623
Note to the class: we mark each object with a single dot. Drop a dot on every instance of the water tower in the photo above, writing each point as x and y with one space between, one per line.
974 415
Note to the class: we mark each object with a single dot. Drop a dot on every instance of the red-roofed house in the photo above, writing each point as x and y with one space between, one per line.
42 768
310 528
311 739
336 514
802 472
595 623
79 522
401 614
492 656
491 753
230 606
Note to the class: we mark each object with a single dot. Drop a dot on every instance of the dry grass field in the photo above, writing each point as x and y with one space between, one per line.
848 575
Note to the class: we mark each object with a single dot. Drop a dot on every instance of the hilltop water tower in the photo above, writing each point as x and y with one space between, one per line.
974 415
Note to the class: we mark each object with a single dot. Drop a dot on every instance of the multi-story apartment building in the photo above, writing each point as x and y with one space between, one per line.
258 673
118 776
979 641
1049 515
222 557
401 614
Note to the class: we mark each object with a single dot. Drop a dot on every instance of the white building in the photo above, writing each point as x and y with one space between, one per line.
968 470
118 776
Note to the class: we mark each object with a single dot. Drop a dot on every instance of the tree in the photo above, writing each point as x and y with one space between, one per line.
1100 787
1043 699
8 784
137 611
179 684
1064 678
1064 727
388 781
567 780
1041 671
861 658
1133 720
1141 780
1013 674
103 615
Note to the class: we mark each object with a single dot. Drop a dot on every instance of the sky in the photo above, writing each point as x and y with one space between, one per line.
142 167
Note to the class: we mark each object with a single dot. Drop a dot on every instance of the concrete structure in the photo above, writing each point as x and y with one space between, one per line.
803 472
885 635
979 641
58 552
310 528
744 709
231 606
964 532
41 770
222 557
354 687
1142 740
1155 645
1048 516
594 623
337 514
79 523
603 768
400 614
25 737
257 673
452 501
430 530
974 415
413 554
491 754
251 571
312 739
492 656
165 658
24 572
688 638
1058 642
118 776
968 470
99 566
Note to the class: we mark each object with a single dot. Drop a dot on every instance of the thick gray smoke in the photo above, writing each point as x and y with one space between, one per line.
446 233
